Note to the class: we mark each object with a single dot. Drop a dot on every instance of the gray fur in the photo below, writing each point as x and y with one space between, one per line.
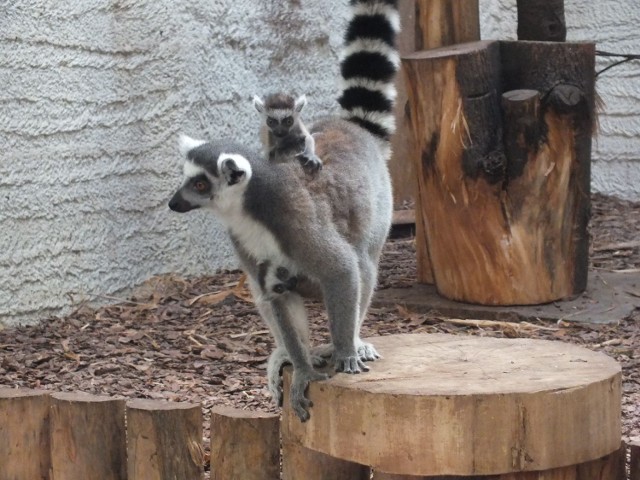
328 230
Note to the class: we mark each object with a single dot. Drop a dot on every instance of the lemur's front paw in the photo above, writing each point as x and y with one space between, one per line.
349 364
277 360
367 352
310 163
299 383
318 360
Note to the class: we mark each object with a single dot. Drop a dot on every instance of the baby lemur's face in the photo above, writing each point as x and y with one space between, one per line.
280 126
280 111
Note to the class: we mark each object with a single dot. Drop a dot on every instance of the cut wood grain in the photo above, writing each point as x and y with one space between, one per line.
245 444
24 434
164 440
87 436
504 179
300 463
425 24
450 405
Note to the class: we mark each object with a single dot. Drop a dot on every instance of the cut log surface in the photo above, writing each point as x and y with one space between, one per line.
24 434
245 444
87 436
449 405
503 176
164 440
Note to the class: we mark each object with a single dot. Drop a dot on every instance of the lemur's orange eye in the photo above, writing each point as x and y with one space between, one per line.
200 186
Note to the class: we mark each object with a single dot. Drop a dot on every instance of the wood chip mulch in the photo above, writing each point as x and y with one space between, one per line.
201 339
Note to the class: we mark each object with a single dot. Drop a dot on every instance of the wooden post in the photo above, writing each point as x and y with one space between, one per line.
87 437
505 192
425 24
24 434
299 462
634 464
449 405
244 444
541 20
164 440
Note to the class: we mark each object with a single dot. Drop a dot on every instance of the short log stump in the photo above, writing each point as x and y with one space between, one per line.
460 405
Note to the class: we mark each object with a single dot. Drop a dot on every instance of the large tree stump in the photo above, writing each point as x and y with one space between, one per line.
244 444
24 434
164 440
425 24
503 131
88 438
449 405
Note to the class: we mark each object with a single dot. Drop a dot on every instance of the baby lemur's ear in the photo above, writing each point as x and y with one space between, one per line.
258 103
234 168
299 103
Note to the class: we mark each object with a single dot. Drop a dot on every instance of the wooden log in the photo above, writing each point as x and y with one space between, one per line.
425 24
541 20
505 199
244 444
164 440
299 462
449 405
24 434
634 460
609 467
87 436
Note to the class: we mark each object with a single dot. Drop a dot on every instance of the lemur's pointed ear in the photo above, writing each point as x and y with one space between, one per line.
186 144
299 103
258 103
233 170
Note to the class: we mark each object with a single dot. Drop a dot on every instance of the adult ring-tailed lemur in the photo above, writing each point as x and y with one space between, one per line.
327 231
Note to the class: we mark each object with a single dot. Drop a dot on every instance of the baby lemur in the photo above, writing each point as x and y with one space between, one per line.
286 135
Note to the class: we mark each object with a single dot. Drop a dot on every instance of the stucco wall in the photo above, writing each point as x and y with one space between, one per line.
95 92
613 25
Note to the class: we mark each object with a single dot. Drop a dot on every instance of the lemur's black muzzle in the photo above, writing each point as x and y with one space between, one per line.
180 205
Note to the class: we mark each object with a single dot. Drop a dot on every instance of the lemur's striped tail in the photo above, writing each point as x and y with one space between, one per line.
369 64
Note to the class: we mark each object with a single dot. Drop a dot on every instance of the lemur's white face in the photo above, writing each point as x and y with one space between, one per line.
212 179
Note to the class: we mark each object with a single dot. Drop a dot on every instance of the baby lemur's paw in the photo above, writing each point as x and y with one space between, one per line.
299 383
349 363
367 352
310 163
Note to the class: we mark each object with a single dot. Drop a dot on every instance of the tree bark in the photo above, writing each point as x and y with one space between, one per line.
24 434
504 191
634 464
87 437
541 20
164 440
426 24
244 444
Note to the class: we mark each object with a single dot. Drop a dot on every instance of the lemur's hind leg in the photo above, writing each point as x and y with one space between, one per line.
368 280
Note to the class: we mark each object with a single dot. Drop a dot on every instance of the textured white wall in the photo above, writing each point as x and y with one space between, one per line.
613 25
94 94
